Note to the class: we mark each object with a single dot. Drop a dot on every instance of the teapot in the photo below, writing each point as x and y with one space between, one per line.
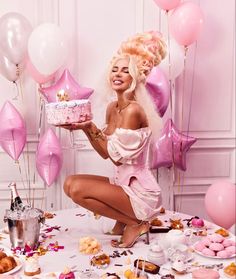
172 238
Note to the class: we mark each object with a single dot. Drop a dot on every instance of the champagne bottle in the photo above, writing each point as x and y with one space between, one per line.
16 202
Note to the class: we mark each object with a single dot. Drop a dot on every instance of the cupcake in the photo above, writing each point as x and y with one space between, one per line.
101 261
67 274
203 273
179 267
32 266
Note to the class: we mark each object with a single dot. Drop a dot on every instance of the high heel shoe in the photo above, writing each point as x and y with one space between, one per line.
111 232
121 244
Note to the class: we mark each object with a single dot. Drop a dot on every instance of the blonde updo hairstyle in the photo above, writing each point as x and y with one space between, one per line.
145 51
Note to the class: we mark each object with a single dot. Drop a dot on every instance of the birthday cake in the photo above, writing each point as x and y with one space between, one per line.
67 112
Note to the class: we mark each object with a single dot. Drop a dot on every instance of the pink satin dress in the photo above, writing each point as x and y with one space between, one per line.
130 148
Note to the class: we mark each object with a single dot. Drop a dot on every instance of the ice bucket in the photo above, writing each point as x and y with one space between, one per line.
24 227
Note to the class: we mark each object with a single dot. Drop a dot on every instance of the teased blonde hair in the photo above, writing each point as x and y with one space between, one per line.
144 51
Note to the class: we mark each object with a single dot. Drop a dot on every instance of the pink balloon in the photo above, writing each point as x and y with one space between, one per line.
186 23
12 131
65 89
36 75
49 157
167 5
220 203
171 148
158 87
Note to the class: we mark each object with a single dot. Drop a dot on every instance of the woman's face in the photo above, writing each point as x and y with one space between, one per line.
120 78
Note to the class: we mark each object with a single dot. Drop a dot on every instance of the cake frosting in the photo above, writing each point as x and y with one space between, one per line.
67 112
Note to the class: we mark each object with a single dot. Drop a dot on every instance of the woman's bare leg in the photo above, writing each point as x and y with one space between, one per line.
98 195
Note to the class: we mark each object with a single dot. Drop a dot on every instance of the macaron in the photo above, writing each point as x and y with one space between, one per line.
208 252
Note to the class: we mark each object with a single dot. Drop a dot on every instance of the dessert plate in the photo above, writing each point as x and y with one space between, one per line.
212 257
17 268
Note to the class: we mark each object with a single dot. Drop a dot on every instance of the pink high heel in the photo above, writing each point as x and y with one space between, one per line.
121 244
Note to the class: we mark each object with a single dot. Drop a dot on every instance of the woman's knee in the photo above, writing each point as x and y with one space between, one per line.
73 186
69 181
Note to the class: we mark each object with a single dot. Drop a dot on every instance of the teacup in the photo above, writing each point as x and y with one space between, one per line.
172 238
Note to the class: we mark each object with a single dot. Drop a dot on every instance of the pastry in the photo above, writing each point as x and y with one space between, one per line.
179 267
48 215
89 245
162 210
2 255
156 222
7 263
216 238
203 273
208 252
222 232
176 224
197 223
50 275
230 270
147 266
32 266
129 274
168 276
67 274
216 247
102 260
110 276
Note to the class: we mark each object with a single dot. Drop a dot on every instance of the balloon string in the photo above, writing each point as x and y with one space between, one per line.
22 180
26 174
40 117
43 198
159 27
17 91
169 66
192 87
20 83
28 168
72 139
183 90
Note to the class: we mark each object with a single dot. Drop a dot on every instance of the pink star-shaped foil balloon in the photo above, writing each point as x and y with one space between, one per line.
171 148
65 89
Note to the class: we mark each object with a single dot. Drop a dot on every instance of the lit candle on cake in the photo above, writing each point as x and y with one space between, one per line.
62 96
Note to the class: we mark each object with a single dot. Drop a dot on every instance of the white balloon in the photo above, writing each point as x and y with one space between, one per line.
47 48
15 30
174 58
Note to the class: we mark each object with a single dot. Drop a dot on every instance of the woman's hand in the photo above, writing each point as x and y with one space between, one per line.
76 126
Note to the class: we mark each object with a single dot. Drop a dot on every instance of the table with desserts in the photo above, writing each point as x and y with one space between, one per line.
178 252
